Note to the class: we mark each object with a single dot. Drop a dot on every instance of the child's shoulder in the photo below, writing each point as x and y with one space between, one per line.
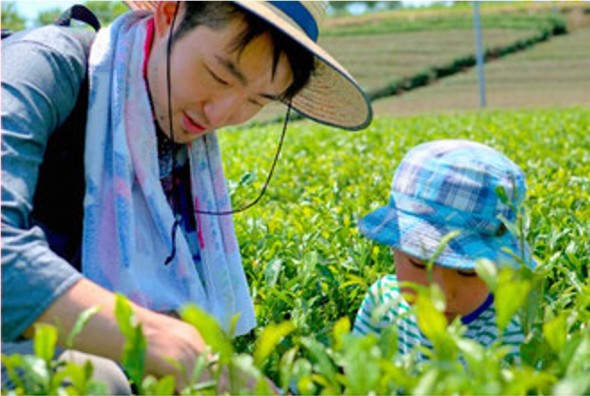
383 306
386 290
387 283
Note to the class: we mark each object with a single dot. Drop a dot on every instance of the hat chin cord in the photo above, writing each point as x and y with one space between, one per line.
174 171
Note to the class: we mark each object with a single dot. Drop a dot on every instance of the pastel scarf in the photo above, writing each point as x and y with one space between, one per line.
127 219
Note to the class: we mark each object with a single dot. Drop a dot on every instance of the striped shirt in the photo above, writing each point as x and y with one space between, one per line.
384 306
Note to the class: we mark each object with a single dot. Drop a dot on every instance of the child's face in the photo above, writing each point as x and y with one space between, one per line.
464 290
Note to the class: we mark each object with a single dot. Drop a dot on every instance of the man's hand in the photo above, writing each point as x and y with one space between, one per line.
166 337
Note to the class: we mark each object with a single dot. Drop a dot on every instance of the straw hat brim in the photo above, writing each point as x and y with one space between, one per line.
332 96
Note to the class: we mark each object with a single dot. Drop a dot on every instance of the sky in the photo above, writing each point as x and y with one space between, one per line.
31 8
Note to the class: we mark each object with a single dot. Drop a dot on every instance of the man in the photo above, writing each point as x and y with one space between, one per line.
154 224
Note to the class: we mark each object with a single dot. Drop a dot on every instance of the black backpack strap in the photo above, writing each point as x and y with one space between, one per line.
6 33
79 13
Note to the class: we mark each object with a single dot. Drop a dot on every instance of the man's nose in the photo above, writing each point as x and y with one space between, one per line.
220 111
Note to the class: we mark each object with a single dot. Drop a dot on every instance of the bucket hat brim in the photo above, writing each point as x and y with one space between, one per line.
421 238
332 96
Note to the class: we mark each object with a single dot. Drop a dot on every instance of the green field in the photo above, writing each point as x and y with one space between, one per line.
309 268
327 178
377 59
551 74
306 261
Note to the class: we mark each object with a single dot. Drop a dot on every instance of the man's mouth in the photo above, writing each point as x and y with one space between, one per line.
192 126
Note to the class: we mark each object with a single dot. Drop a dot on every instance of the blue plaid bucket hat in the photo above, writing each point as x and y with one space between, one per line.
451 185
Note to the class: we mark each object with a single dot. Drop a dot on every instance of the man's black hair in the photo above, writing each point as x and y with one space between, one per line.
217 14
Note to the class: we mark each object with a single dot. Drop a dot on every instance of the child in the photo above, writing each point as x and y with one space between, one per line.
440 187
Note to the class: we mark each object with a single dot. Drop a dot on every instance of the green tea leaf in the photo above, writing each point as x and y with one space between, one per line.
45 341
388 342
437 297
268 340
81 322
442 246
534 350
501 193
124 315
323 361
555 332
579 363
302 371
134 355
37 371
210 330
510 295
431 321
13 363
286 368
488 272
427 383
577 385
233 325
361 363
165 386
272 271
341 329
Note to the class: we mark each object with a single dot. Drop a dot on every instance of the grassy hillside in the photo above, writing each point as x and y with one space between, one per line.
308 269
389 51
377 59
555 73
307 263
326 179
464 9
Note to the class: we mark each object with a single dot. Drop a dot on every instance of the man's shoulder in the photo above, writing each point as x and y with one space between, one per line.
65 40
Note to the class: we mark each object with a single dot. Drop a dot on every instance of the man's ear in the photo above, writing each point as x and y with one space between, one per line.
164 14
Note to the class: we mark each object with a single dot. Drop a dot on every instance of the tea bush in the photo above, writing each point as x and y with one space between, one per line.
309 268
307 263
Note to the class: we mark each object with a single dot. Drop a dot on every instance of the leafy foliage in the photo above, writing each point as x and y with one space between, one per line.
11 19
309 269
307 263
106 11
48 17
397 23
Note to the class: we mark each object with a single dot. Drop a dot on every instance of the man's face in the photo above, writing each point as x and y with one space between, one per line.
464 290
212 85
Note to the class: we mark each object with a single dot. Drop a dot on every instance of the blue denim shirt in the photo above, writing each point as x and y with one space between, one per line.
42 72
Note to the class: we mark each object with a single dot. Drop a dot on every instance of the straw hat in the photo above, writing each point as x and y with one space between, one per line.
332 96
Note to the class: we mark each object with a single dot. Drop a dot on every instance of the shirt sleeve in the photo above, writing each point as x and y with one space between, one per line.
42 71
381 307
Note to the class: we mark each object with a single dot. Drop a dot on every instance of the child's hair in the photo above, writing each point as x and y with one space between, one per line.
453 185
